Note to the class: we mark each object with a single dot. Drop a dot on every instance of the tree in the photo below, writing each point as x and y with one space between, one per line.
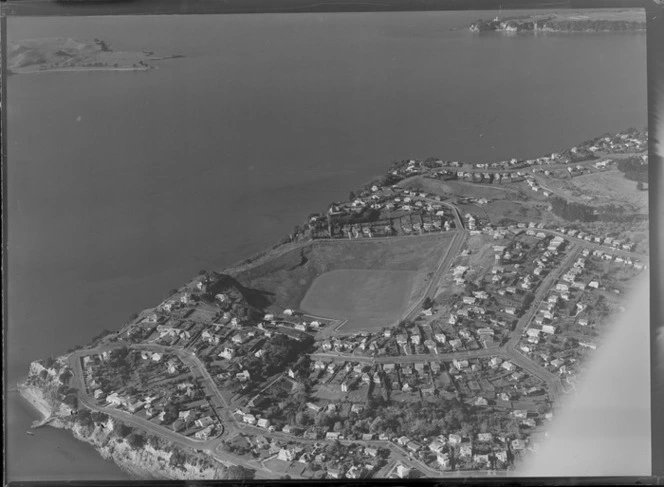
99 417
121 429
154 442
85 418
136 441
238 472
178 458
301 419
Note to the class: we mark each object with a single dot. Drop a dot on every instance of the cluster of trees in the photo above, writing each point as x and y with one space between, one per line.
634 168
367 214
87 419
279 351
572 211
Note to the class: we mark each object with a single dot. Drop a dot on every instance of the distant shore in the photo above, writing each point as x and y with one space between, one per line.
58 54
582 21
81 69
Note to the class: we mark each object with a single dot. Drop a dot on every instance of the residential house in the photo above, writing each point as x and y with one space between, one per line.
443 460
204 422
509 366
227 353
437 445
314 407
518 444
403 441
205 433
249 419
466 450
403 471
454 439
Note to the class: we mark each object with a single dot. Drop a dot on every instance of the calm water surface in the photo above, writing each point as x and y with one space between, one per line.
123 185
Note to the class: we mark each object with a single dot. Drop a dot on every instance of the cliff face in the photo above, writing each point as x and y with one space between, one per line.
144 463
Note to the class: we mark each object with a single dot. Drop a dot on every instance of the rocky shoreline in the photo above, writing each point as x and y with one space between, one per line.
146 463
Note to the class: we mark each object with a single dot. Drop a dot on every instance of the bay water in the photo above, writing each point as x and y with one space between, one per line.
122 185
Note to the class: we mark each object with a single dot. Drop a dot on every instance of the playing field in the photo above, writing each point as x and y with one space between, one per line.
368 299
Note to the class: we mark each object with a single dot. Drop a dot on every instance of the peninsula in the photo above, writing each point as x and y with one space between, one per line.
426 326
624 20
65 54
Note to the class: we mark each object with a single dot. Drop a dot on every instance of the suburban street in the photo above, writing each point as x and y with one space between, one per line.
446 261
232 427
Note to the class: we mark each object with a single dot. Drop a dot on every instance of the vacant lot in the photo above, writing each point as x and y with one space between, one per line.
612 187
632 15
458 188
286 279
368 299
501 212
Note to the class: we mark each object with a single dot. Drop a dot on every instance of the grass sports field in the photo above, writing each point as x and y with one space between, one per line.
368 299
286 279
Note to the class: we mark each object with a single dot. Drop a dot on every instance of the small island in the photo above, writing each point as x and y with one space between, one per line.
66 54
625 20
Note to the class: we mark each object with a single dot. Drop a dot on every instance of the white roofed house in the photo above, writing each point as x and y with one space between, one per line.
484 437
172 366
205 433
460 364
249 419
466 450
431 345
454 439
227 353
443 460
518 444
509 366
204 422
243 376
437 445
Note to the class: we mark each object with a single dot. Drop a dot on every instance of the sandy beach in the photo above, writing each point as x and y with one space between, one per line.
36 398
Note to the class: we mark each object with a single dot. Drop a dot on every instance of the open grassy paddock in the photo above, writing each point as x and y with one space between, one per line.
368 299
286 279
610 187
458 188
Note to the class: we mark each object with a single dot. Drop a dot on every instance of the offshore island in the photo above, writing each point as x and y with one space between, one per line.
51 54
622 20
426 326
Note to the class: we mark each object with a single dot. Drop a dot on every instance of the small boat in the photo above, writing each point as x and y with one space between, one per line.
29 433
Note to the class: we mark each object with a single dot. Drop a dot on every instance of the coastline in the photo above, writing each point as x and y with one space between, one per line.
81 69
35 397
